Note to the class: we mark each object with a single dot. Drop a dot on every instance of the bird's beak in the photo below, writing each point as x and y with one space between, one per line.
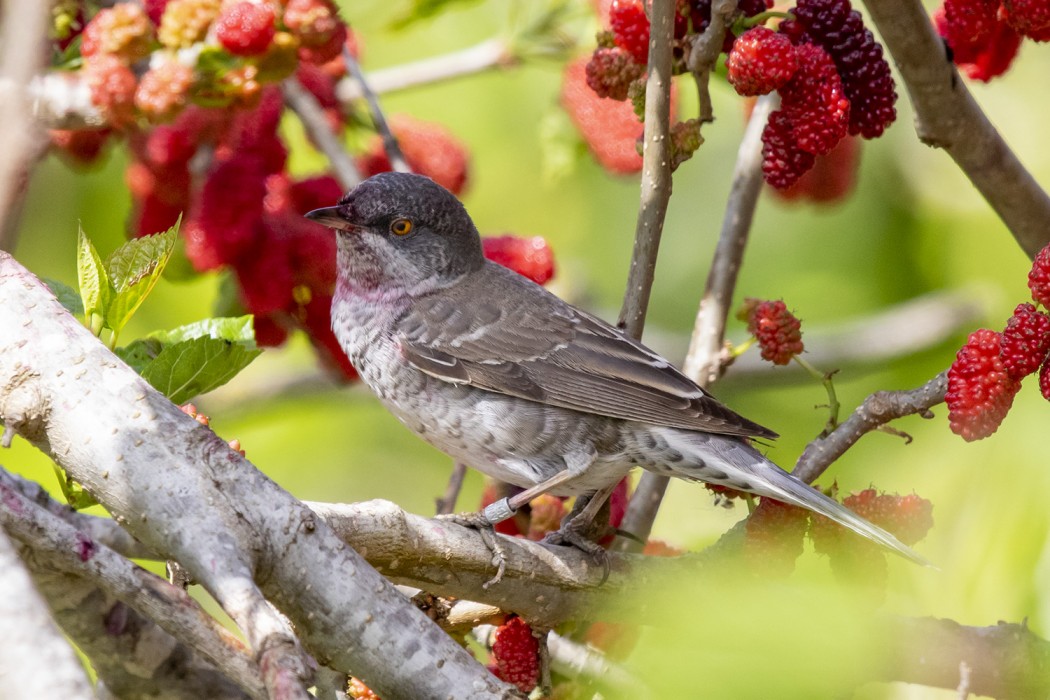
330 217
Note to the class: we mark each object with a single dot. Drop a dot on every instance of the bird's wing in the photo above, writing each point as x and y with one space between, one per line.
519 339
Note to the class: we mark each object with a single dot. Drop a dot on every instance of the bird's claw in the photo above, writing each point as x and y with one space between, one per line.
485 528
574 533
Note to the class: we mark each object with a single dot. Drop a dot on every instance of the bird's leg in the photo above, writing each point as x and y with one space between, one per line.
578 529
575 464
505 508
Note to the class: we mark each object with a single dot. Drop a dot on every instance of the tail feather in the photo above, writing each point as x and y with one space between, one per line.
734 463
788 489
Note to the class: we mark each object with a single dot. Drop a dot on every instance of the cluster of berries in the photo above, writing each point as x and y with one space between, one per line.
775 531
984 35
214 156
213 52
988 369
604 94
777 330
832 79
909 518
826 65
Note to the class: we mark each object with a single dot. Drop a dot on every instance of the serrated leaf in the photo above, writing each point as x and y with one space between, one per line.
67 296
134 269
240 329
96 293
140 353
192 367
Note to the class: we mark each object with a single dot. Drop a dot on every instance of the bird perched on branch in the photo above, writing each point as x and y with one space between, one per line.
504 376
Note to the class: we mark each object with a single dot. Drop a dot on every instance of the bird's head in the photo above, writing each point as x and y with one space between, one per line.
402 231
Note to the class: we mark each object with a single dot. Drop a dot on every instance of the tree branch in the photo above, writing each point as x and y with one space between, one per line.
705 51
390 145
131 655
24 26
61 547
876 410
1005 660
948 117
703 361
239 535
36 661
490 54
545 585
310 113
656 171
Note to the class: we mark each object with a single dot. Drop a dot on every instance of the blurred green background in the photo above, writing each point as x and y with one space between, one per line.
914 226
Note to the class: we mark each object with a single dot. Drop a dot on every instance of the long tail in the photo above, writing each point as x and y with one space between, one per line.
730 462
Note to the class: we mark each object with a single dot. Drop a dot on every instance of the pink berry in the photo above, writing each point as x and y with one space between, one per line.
1025 341
516 654
246 28
1039 278
980 392
761 61
778 331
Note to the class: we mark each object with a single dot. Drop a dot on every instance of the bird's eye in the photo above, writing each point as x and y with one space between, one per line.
401 227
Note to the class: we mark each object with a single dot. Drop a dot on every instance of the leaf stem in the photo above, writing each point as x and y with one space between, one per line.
833 401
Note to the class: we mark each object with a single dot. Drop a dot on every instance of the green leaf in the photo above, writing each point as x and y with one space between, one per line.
75 494
134 269
240 329
96 293
140 353
67 296
192 367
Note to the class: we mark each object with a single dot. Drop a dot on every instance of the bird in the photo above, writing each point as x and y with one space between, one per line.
504 376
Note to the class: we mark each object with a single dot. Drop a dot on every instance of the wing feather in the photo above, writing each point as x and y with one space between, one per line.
545 350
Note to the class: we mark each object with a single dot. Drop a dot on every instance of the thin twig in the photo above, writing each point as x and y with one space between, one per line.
393 150
703 361
310 113
705 51
948 117
655 195
963 691
656 171
876 410
488 55
447 503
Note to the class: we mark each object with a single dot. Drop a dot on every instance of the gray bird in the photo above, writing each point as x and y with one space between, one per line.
502 375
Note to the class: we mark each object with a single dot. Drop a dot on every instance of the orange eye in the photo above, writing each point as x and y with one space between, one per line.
401 227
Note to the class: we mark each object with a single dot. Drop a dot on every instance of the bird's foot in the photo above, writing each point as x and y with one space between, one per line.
486 528
581 532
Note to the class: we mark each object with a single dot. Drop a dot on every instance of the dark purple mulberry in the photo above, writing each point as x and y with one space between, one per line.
866 78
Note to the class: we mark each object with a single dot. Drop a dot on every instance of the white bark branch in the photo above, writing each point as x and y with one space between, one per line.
36 661
58 545
179 489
